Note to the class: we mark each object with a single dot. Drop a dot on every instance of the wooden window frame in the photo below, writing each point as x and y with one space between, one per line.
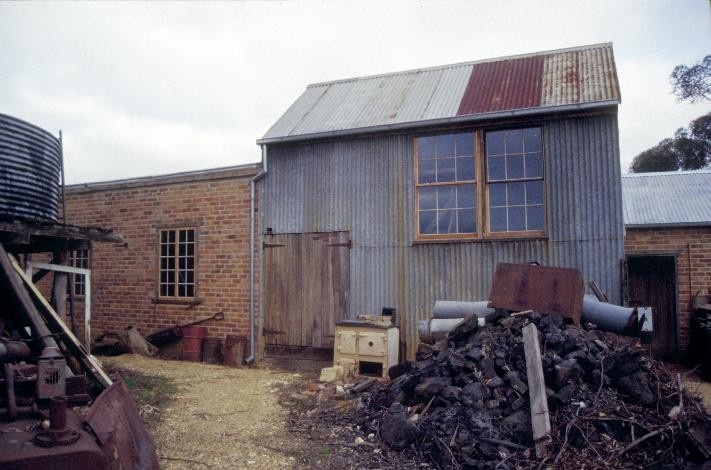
483 232
74 278
176 285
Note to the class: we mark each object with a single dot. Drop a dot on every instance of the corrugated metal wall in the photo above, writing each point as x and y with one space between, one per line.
365 186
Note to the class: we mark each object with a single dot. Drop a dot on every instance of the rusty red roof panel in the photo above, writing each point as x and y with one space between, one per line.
503 85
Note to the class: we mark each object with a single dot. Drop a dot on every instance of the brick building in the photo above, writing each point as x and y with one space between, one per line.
185 256
668 249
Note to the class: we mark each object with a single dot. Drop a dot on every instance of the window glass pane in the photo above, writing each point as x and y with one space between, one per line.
164 237
182 249
497 219
466 219
190 263
425 148
445 146
445 170
466 195
171 236
517 219
496 168
190 290
495 143
446 197
191 236
427 198
427 171
514 141
465 169
534 218
191 249
170 290
428 222
181 290
514 166
182 235
515 192
190 277
497 195
532 139
465 144
446 221
534 165
534 192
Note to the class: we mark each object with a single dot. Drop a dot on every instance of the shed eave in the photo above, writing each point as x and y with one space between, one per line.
440 121
669 225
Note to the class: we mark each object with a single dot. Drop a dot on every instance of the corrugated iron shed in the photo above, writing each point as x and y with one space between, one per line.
563 79
680 198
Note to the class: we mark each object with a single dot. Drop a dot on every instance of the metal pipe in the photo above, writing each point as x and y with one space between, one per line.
252 350
609 317
456 309
14 350
432 330
10 389
57 414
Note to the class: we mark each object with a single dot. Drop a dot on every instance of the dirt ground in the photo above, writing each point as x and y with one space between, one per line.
220 417
228 418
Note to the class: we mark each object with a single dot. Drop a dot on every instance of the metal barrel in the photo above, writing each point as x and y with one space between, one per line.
192 342
234 350
30 166
212 350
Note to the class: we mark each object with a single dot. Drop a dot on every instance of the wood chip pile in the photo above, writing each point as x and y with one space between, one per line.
465 402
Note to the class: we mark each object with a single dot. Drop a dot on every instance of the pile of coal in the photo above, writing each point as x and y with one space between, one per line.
465 404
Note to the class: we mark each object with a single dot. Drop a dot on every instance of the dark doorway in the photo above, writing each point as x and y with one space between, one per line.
652 283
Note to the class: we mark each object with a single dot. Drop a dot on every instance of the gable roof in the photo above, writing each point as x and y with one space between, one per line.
559 80
681 198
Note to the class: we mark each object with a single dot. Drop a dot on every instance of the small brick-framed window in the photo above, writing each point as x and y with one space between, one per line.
480 184
177 255
79 259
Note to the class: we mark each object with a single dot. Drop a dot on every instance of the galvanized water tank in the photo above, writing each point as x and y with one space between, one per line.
30 160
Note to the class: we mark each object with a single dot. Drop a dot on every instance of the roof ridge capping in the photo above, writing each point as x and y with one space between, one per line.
465 64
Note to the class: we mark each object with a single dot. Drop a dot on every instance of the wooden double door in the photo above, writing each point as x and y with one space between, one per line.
306 291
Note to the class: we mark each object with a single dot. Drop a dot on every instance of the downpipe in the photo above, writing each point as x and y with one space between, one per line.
252 340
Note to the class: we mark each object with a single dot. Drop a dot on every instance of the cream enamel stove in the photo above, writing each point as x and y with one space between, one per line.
367 346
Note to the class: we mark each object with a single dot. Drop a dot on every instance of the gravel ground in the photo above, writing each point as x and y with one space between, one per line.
220 417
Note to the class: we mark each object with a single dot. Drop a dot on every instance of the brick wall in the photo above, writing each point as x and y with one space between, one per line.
681 242
125 277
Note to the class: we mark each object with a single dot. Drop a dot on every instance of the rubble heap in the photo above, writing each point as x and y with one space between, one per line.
465 402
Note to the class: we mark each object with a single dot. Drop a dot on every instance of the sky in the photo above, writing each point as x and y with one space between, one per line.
148 88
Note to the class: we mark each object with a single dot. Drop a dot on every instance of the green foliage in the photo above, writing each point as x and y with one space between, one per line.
693 83
689 149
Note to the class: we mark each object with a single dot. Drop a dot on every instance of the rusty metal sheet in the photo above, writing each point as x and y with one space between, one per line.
544 289
120 430
503 85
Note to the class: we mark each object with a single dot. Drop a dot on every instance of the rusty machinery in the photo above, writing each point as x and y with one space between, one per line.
58 409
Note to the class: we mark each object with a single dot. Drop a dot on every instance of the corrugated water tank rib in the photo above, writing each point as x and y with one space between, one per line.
30 165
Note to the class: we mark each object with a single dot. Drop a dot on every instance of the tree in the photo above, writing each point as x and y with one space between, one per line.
693 83
689 149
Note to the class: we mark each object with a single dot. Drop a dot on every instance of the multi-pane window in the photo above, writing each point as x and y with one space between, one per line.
514 161
177 263
79 259
446 184
451 203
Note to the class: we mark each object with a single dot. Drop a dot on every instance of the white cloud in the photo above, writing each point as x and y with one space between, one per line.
156 87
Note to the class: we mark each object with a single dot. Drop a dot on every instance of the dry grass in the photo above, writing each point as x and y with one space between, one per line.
218 417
